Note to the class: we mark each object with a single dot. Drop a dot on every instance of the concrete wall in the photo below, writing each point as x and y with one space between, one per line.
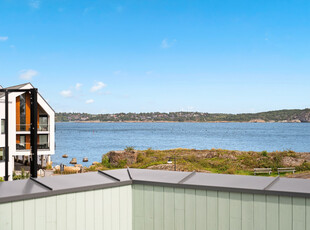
161 208
108 209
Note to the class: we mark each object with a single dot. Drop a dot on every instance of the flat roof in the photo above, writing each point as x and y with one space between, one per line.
54 185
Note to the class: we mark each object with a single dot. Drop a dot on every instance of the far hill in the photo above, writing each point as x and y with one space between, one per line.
293 115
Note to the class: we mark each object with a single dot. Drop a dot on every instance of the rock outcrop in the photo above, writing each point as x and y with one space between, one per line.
116 156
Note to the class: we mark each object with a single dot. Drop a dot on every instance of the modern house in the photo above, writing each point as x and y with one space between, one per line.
19 128
142 199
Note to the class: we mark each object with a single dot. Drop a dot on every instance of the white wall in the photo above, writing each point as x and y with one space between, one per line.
105 209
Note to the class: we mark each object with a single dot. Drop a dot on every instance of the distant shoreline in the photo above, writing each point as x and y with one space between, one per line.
180 122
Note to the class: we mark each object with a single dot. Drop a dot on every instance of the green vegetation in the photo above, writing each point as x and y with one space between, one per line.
214 160
1 179
129 148
271 116
22 176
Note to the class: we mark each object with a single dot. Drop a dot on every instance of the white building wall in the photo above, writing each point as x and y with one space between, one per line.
12 130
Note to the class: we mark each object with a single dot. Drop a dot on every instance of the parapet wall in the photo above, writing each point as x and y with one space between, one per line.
151 199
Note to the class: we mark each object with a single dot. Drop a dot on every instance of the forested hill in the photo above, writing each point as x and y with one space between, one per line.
295 115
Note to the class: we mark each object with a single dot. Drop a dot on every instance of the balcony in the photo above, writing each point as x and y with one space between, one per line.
26 128
26 146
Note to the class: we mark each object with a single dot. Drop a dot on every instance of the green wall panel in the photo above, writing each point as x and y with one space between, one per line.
201 209
235 211
272 210
260 215
179 199
190 209
286 213
150 207
223 210
168 208
193 209
212 210
94 209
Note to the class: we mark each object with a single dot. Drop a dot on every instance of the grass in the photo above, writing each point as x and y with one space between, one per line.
213 160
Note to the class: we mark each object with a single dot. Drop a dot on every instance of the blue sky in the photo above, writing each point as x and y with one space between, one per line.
143 56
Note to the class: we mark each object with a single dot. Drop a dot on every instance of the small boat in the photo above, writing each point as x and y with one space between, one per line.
73 161
85 159
65 156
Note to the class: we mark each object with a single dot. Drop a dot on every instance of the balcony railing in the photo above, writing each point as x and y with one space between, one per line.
26 146
23 127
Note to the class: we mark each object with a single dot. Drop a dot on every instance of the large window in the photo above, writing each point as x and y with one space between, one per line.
2 126
2 155
43 123
22 142
43 141
22 112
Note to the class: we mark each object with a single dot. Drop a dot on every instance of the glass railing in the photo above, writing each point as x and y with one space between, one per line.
22 127
43 127
26 146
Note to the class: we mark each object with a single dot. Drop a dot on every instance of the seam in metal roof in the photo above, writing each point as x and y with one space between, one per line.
55 185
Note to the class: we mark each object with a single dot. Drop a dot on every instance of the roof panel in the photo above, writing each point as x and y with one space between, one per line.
20 187
121 174
75 180
231 181
161 176
291 185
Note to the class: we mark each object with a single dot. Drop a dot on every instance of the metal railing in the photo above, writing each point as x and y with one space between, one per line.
26 146
26 127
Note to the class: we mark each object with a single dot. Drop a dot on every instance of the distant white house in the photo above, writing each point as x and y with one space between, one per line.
19 128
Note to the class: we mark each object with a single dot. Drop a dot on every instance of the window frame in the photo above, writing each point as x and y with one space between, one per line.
2 126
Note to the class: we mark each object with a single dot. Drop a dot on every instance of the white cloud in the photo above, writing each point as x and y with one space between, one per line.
117 72
164 44
27 74
78 86
35 4
89 101
167 44
99 85
3 39
66 93
119 9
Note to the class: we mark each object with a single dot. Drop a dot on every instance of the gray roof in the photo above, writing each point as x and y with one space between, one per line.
48 186
2 94
14 87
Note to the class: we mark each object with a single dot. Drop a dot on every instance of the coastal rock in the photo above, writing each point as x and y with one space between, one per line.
292 162
305 116
295 121
116 156
257 121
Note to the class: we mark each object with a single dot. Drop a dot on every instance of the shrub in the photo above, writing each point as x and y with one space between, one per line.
140 158
106 161
149 152
121 163
129 148
230 171
304 166
22 176
1 179
265 153
49 166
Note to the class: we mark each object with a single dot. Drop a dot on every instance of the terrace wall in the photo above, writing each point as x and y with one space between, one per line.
168 208
107 209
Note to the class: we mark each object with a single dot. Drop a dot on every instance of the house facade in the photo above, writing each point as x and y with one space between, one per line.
19 129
